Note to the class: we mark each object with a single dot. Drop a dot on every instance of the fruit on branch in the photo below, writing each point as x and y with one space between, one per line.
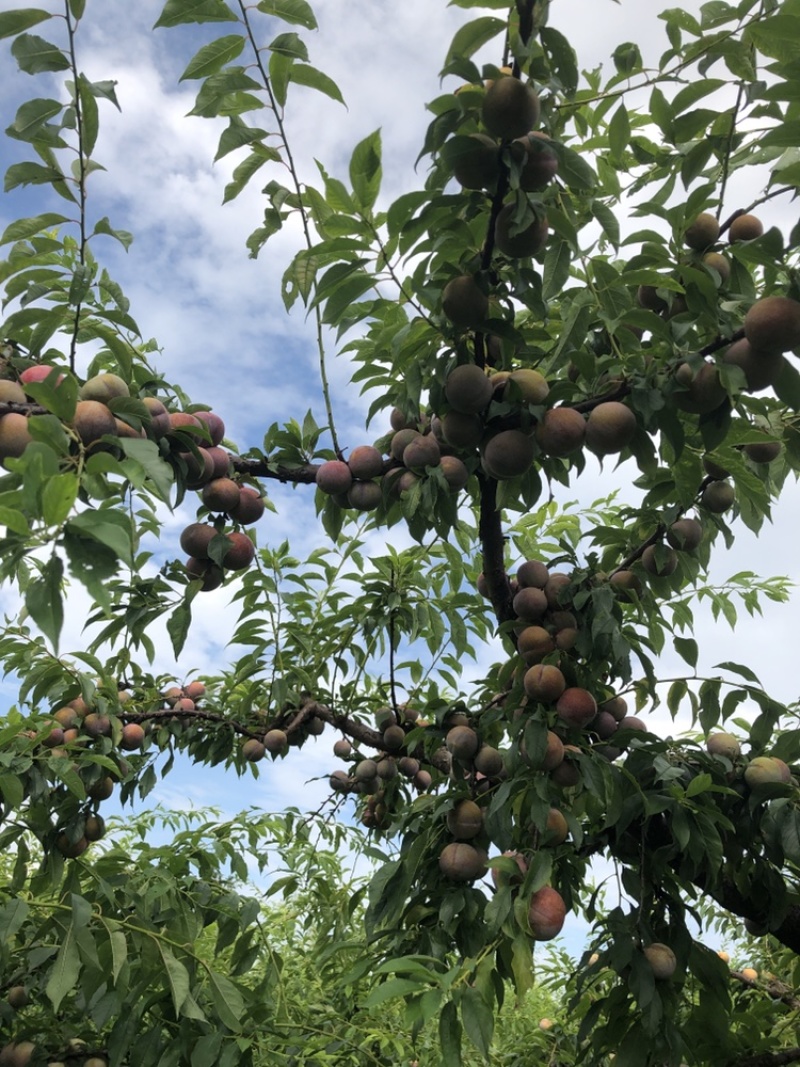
17 997
604 725
221 494
530 604
716 261
334 476
276 742
773 323
342 748
97 725
339 782
366 770
159 417
756 929
534 643
104 387
71 849
241 552
249 508
544 682
455 472
213 423
617 707
512 877
464 302
394 738
510 108
462 862
685 534
763 451
750 974
467 389
533 573
94 828
518 244
760 368
701 233
610 428
11 392
718 497
462 742
745 228
766 770
364 496
207 572
465 820
422 452
14 435
92 420
626 584
461 429
132 736
561 432
39 373
648 298
365 462
662 960
508 454
531 384
659 560
556 827
541 163
713 469
489 762
702 391
576 707
555 589
476 165
17 1054
546 913
400 442
631 722
723 744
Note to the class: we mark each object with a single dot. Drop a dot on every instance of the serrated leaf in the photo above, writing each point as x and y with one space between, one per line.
181 11
34 54
44 599
14 22
365 170
66 970
290 45
24 228
177 978
212 57
228 1000
303 74
298 12
472 36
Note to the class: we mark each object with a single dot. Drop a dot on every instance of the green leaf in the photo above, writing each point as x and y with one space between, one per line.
24 228
12 916
43 599
177 977
472 36
77 8
619 132
700 784
787 386
289 44
90 118
66 970
298 12
228 1000
123 236
249 166
32 115
302 74
557 262
236 136
687 649
213 56
34 55
58 497
110 528
178 625
365 170
180 11
562 57
478 1020
14 22
572 169
450 1036
30 174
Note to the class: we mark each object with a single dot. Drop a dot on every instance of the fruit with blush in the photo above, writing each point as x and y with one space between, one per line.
546 913
464 302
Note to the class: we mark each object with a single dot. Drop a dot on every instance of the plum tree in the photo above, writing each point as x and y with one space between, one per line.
510 340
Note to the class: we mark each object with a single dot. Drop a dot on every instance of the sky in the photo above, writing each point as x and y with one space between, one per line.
218 315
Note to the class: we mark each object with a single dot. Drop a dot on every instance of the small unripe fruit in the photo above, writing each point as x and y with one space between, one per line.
685 534
510 108
718 497
745 228
276 742
722 744
703 232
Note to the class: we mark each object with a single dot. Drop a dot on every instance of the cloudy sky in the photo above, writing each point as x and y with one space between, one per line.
218 315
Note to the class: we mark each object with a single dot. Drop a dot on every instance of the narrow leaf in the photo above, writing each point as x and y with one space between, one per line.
297 12
14 22
65 972
212 57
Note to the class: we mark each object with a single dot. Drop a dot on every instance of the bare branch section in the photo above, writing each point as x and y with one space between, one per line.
769 1059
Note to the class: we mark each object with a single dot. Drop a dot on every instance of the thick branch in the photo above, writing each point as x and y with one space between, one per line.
769 1059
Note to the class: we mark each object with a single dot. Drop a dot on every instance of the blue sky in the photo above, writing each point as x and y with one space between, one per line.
219 317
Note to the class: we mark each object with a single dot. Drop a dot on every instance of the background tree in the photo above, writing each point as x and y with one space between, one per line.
506 334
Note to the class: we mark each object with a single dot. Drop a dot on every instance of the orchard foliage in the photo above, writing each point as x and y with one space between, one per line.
570 277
